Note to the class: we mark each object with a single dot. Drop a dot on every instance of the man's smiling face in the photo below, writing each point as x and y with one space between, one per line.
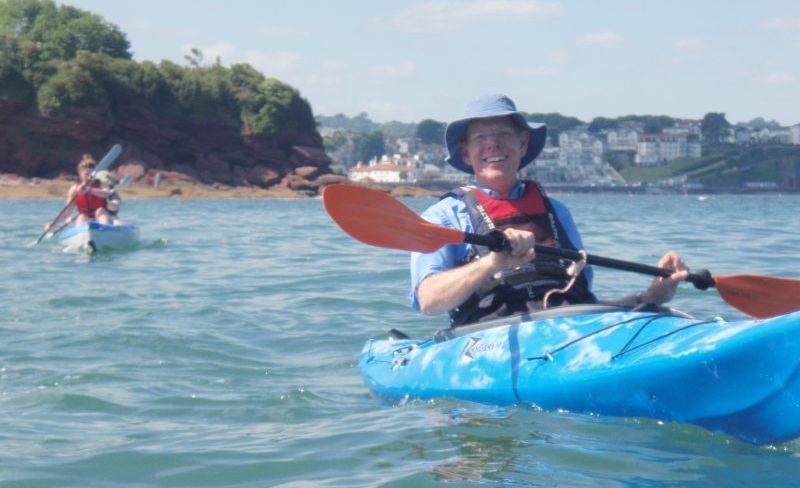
494 148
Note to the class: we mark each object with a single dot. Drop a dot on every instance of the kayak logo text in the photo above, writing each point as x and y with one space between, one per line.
476 346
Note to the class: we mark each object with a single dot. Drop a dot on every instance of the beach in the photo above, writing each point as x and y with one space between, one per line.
13 187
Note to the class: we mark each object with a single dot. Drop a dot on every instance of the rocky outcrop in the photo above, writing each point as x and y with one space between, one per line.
35 145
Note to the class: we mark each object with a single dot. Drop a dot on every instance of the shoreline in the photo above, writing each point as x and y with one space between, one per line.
13 187
42 189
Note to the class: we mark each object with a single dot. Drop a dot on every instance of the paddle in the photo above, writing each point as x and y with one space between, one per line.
374 217
103 164
122 184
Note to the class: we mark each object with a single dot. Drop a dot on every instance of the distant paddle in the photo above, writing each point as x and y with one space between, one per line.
104 163
376 218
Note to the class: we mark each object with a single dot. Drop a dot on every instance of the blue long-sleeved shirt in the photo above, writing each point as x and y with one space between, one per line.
452 212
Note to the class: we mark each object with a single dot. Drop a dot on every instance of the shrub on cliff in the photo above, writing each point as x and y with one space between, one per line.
68 59
71 87
61 31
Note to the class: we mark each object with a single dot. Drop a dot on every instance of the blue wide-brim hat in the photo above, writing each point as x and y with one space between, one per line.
485 107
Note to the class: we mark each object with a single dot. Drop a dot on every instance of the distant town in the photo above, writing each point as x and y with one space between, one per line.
630 152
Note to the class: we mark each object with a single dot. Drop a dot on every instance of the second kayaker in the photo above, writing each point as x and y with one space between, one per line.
493 141
86 196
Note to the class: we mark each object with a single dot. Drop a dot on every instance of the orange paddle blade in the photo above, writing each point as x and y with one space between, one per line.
375 218
759 296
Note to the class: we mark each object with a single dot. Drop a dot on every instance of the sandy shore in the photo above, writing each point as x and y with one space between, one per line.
57 189
14 187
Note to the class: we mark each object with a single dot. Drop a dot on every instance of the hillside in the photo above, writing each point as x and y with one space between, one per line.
729 166
68 86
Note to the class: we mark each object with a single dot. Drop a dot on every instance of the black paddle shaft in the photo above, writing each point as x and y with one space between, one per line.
497 241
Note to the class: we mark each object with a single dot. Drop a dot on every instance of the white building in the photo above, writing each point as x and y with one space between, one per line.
795 134
580 148
546 168
741 136
425 172
648 152
623 139
407 145
453 175
657 149
394 170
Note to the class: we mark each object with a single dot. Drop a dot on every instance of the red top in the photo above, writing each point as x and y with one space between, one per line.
88 202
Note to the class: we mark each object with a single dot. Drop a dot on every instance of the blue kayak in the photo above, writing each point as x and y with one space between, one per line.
740 378
93 236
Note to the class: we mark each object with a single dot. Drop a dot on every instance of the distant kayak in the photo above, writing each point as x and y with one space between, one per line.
739 378
93 237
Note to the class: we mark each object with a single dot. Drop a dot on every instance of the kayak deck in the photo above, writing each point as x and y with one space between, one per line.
93 237
740 377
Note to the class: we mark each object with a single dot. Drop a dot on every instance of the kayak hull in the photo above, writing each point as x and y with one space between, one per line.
93 237
740 378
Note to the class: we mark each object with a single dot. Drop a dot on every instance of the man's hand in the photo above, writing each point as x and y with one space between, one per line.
521 253
663 289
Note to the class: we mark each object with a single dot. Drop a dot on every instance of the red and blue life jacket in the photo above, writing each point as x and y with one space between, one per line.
522 289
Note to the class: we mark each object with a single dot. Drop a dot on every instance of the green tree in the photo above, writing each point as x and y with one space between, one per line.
194 58
714 128
602 123
556 123
656 123
370 146
652 127
430 131
61 31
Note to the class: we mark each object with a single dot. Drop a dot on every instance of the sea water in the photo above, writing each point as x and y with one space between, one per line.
222 351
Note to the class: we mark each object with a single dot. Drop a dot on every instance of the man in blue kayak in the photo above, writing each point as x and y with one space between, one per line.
493 141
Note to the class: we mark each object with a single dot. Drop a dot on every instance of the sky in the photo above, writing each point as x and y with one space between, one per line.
411 60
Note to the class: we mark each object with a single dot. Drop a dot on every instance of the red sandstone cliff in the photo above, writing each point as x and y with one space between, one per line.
33 145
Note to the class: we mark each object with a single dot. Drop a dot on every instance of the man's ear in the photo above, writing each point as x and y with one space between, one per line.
462 149
524 140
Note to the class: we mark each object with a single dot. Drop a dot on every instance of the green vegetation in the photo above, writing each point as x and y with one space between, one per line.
362 124
65 59
714 128
60 32
729 165
556 123
370 146
653 124
430 131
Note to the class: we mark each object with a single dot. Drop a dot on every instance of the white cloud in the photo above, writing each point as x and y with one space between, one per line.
286 66
532 71
552 65
271 30
385 110
602 39
783 23
269 62
403 70
691 45
448 15
775 79
558 58
222 50
334 66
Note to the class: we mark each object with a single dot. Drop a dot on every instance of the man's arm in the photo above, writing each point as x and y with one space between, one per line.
440 292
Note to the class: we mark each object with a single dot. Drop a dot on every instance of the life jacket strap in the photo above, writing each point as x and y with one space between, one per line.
573 271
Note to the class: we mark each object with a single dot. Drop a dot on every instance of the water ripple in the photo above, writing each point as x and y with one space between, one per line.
222 352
